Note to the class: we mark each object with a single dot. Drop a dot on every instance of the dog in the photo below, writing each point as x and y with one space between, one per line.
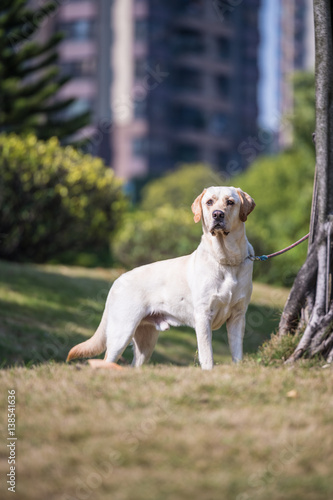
203 290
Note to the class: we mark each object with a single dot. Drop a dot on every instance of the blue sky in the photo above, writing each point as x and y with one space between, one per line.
268 94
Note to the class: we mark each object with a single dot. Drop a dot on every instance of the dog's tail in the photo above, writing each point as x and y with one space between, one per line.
93 346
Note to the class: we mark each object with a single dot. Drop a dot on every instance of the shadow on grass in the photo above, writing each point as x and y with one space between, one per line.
43 314
178 346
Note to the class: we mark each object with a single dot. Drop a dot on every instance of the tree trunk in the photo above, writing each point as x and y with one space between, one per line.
311 294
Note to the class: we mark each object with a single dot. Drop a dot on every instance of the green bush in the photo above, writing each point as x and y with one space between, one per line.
180 187
54 200
150 236
282 189
163 226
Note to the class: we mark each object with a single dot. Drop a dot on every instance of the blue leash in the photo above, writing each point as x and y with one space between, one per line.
263 258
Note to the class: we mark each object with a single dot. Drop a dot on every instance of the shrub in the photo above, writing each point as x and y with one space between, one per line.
54 200
163 226
180 187
149 236
282 189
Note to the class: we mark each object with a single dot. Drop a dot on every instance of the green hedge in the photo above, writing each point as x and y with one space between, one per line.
148 236
54 200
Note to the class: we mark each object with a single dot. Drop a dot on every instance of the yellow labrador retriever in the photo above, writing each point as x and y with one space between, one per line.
203 290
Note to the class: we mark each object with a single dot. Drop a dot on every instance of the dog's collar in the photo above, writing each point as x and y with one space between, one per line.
261 258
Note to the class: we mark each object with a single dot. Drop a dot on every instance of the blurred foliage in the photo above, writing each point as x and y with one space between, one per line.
55 201
179 188
282 189
163 227
303 118
147 236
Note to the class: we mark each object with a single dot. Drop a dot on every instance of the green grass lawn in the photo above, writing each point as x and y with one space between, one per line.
45 310
168 431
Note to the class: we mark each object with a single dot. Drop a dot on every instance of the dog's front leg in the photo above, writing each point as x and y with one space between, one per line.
235 328
203 331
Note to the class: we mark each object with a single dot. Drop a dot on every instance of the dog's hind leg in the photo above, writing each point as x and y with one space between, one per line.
144 342
117 341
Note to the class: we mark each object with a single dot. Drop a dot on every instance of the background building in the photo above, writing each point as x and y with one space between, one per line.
185 83
287 45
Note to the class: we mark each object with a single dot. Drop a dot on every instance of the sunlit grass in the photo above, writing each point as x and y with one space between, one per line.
167 431
45 310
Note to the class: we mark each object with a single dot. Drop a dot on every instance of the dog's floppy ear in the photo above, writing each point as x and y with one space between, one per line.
196 206
247 205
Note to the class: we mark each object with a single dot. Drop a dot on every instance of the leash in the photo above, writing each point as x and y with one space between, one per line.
263 258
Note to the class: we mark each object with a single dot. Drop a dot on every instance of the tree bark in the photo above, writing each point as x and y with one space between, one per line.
313 284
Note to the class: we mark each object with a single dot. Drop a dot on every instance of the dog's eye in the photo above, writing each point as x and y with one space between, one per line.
209 202
230 202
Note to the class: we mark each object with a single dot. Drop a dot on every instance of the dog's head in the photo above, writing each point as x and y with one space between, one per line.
222 208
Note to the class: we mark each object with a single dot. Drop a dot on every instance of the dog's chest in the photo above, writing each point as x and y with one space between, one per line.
227 292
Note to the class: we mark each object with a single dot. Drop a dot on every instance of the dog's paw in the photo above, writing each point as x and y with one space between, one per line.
100 363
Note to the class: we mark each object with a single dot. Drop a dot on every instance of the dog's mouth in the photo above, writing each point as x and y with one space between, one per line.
219 227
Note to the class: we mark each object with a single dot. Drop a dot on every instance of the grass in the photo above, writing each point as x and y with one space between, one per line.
165 431
45 310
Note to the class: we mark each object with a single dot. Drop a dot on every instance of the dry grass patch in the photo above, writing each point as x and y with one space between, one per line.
163 432
170 432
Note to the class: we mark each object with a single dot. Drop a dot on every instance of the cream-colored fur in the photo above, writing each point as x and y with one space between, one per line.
203 290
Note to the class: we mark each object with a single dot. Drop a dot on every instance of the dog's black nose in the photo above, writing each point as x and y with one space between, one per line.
218 215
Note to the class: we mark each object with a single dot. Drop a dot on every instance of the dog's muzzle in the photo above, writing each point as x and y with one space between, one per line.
218 223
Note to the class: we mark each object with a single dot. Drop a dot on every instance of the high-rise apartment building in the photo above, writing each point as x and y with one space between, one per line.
177 82
184 87
167 82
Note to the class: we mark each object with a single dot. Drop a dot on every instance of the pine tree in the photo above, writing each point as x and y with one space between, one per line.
29 77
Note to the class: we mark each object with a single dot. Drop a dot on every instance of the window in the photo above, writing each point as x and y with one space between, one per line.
187 41
187 153
140 68
223 48
82 29
187 117
188 80
222 86
80 105
158 146
84 67
191 7
217 123
140 30
139 146
140 109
